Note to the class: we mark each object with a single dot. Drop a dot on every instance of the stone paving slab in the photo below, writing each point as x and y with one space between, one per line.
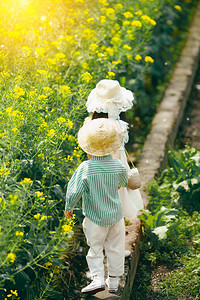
154 153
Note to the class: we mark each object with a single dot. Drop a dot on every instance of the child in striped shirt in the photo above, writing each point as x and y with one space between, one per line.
96 181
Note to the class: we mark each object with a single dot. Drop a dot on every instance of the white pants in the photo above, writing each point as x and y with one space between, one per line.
112 239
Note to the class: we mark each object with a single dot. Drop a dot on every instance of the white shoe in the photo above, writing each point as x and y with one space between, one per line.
94 287
127 253
112 284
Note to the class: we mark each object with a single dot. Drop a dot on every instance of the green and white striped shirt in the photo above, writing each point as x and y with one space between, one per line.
96 181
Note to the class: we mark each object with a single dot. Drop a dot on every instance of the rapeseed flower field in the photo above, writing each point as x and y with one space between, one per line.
52 53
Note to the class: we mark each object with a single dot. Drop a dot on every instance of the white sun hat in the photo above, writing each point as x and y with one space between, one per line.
100 137
109 97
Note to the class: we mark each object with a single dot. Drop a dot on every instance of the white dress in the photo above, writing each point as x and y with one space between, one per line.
131 200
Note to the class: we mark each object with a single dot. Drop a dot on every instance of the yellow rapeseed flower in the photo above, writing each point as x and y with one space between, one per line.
67 228
118 6
103 2
139 13
11 256
109 12
14 292
110 74
115 39
110 51
149 59
65 90
178 7
61 120
37 216
51 133
26 180
9 110
59 56
42 72
126 23
40 51
136 23
128 15
87 77
138 57
127 47
93 47
19 233
18 92
69 123
102 19
39 194
90 20
85 65
116 62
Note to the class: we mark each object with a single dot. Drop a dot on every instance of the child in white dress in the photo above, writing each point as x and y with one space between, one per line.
108 100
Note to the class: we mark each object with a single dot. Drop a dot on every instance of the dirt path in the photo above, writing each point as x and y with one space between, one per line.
190 128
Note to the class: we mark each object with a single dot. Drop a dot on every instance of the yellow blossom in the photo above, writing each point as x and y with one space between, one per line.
138 13
67 228
118 6
37 216
136 23
127 47
14 292
149 59
93 47
51 133
40 51
87 77
116 62
4 171
69 123
110 51
102 19
85 65
9 110
59 56
109 12
18 92
26 180
51 61
48 264
90 20
178 7
110 74
39 194
126 23
11 256
61 120
138 57
128 14
42 72
19 233
115 40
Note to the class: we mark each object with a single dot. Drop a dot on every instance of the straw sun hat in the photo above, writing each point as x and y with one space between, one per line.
109 97
100 137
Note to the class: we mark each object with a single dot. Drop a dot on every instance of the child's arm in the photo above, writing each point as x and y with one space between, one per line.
68 214
75 190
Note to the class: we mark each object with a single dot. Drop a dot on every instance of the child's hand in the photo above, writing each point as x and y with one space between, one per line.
68 214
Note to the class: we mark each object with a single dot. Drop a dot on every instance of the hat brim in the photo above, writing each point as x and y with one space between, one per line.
121 102
103 144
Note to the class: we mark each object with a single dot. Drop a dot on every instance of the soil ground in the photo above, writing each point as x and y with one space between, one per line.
189 131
